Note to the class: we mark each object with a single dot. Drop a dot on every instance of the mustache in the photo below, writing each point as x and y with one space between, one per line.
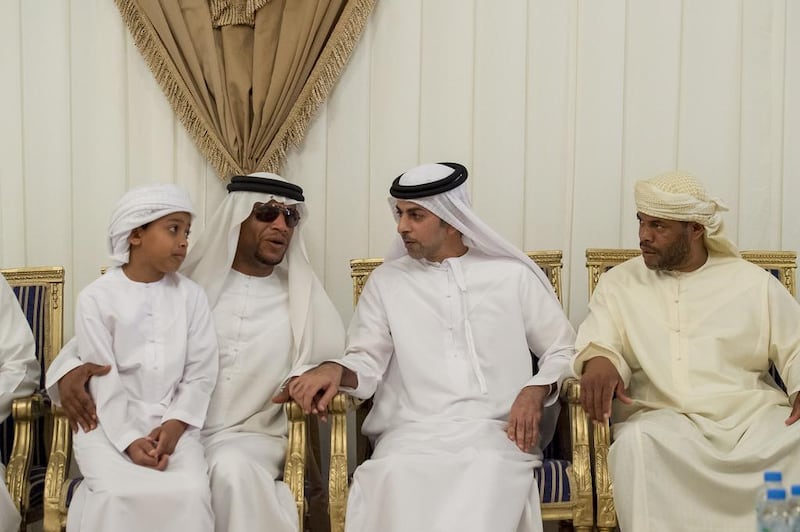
645 247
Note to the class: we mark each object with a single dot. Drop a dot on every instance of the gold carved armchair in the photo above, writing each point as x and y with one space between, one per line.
40 294
781 264
564 480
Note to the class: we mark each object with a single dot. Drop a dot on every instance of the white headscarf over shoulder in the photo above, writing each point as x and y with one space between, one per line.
679 196
317 329
441 189
139 206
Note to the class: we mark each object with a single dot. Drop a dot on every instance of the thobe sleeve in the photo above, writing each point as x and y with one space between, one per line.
549 334
369 342
66 360
599 336
96 345
784 342
193 393
19 369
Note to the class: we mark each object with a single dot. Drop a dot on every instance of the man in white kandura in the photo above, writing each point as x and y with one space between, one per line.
444 336
684 336
271 315
19 376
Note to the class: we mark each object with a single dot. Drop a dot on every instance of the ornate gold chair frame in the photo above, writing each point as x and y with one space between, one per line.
598 261
48 334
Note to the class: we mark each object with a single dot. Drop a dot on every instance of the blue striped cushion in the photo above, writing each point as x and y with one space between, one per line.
71 487
553 481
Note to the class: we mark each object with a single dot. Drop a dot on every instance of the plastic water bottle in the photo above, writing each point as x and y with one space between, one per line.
772 480
772 515
793 509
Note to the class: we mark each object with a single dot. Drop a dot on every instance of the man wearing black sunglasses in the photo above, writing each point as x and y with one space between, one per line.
251 262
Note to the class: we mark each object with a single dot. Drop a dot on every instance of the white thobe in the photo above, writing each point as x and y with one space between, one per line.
693 350
442 460
245 433
19 376
160 342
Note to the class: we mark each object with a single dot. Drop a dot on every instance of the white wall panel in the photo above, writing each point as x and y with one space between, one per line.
394 108
598 137
790 227
652 89
710 113
555 107
758 175
446 81
348 190
12 177
498 185
549 126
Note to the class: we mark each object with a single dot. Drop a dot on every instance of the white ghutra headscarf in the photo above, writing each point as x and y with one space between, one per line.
317 329
448 198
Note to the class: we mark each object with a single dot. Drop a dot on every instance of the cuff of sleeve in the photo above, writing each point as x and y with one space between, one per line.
366 385
552 393
192 420
594 350
122 442
296 372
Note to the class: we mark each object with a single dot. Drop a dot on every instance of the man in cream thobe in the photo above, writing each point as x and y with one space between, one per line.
684 334
442 336
19 376
271 315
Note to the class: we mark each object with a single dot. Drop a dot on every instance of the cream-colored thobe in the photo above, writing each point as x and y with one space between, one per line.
19 376
160 342
693 350
442 459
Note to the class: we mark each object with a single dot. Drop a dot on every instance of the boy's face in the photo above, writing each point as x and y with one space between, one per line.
162 244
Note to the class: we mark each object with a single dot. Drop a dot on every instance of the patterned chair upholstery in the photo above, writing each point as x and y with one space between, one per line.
781 264
40 294
565 484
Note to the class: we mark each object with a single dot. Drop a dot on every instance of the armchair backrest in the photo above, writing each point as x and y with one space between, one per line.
549 261
40 292
781 264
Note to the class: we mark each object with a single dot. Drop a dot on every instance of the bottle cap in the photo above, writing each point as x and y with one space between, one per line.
796 490
773 476
776 495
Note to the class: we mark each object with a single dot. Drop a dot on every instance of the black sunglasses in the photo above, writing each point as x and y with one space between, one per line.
268 212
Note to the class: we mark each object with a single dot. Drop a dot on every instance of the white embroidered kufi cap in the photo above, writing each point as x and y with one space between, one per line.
139 206
679 196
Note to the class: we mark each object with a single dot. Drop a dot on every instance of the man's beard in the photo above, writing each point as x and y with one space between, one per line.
266 261
673 256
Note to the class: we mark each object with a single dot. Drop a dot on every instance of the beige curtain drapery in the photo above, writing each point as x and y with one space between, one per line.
245 76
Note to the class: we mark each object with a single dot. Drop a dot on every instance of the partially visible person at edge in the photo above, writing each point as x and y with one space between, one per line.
444 336
271 315
19 376
684 335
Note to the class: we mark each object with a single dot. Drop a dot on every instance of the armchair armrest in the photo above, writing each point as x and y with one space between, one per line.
294 469
25 411
582 492
55 510
606 512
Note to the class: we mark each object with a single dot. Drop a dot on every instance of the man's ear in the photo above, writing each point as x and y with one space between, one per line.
697 230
